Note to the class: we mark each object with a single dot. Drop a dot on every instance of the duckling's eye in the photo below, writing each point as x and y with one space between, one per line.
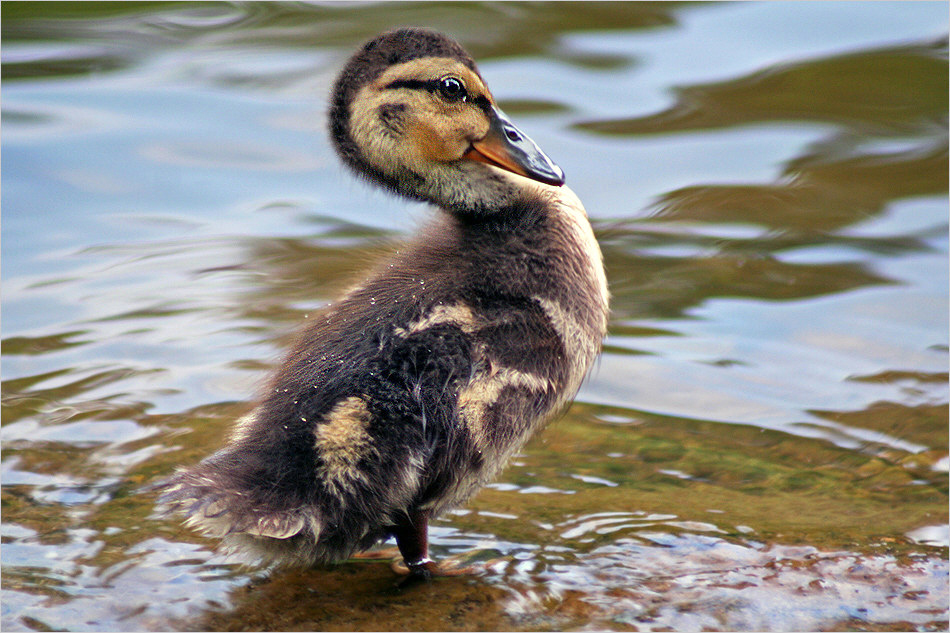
452 89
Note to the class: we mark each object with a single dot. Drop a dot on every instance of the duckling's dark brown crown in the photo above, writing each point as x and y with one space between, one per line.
393 47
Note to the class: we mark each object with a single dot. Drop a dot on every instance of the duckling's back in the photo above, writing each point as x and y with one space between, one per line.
413 391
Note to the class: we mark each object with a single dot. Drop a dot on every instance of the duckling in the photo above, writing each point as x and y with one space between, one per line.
409 394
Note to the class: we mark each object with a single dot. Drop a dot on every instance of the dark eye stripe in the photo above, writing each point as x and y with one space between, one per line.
414 84
432 85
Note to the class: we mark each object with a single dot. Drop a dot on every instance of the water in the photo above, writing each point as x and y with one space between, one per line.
763 445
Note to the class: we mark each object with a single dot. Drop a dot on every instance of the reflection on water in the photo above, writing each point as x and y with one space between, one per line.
763 445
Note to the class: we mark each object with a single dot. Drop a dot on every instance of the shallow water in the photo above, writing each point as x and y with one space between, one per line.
763 445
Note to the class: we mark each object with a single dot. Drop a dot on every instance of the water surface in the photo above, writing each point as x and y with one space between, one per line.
763 445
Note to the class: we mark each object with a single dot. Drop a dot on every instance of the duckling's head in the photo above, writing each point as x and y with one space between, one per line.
411 111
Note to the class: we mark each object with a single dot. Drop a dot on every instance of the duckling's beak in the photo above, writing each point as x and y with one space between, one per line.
508 147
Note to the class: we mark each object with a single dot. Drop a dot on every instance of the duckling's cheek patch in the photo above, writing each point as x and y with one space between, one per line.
342 440
392 117
378 127
430 142
457 132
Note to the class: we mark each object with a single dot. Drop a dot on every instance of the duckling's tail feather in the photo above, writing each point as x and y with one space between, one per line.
218 512
249 529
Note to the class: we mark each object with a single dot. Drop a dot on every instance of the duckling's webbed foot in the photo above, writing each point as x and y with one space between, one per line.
428 569
387 553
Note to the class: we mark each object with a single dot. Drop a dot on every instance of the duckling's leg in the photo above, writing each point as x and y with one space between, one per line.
412 538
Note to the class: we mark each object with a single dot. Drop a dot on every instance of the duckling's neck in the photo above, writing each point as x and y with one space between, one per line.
475 189
548 224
